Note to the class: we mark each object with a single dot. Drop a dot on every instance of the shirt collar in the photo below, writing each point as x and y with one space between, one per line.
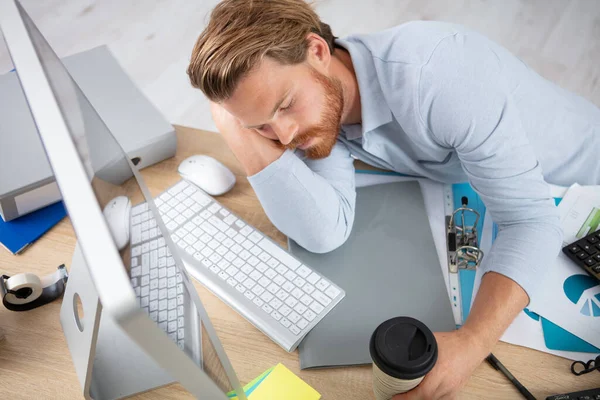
375 111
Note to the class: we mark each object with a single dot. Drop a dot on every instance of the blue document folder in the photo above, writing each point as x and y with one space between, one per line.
19 233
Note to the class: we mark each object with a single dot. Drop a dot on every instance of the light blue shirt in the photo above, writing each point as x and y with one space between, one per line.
445 103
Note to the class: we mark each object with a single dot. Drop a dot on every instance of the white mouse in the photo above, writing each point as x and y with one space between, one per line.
117 213
208 174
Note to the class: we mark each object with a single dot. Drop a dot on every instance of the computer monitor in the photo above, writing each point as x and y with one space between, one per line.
84 156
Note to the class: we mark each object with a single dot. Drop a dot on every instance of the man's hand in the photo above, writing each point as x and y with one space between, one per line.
252 150
498 302
458 355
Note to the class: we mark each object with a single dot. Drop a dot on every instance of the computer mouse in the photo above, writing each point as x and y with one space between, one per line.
207 173
117 213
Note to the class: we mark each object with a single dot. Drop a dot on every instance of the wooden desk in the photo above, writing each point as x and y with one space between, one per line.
35 362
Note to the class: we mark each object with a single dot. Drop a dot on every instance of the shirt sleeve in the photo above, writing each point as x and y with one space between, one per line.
467 105
310 201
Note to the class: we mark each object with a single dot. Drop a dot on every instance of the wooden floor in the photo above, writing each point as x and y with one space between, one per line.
152 39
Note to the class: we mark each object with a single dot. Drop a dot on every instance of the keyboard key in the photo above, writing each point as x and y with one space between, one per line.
299 282
316 307
590 249
582 255
294 317
308 288
280 280
291 301
279 253
273 288
300 308
258 290
267 308
284 310
200 198
306 300
322 285
258 302
321 298
269 273
244 255
231 282
230 219
223 275
262 267
214 208
249 283
240 224
288 286
282 295
294 329
313 278
309 315
276 315
302 323
282 269
590 262
255 237
290 275
332 292
240 277
240 288
272 263
297 293
264 281
253 261
248 244
303 271
238 262
285 322
266 296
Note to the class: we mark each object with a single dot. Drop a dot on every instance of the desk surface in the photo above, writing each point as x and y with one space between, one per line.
35 362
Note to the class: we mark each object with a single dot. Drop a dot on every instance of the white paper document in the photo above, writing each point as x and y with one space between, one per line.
571 298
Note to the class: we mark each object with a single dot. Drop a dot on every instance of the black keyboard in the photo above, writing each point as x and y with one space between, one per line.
585 252
592 394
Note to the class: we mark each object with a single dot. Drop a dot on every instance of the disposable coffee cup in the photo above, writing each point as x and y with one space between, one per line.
403 351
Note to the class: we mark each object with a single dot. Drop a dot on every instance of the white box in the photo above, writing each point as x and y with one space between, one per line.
26 180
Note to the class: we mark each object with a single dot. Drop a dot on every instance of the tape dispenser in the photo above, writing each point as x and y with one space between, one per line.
26 291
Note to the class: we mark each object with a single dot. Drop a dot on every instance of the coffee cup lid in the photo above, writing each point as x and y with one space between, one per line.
403 348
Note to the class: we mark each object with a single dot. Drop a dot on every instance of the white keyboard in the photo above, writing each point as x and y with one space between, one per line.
265 284
157 284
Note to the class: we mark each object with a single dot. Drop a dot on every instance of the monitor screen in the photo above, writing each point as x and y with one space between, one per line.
152 263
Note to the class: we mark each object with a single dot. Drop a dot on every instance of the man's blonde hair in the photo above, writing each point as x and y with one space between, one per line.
241 32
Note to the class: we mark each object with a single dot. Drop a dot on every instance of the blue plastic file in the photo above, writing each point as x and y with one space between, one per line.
19 233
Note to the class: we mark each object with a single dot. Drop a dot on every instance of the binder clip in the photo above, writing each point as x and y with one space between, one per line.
462 240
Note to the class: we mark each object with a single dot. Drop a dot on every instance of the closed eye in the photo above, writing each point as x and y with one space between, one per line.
291 103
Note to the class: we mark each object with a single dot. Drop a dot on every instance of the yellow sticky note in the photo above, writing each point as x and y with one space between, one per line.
282 383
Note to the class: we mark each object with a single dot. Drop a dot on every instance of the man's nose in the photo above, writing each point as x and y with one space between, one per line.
285 131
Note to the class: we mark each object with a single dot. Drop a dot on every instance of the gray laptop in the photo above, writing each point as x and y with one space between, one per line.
388 266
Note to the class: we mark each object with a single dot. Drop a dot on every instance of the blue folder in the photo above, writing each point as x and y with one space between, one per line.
19 233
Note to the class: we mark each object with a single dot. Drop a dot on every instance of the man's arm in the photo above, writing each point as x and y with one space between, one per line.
311 201
467 105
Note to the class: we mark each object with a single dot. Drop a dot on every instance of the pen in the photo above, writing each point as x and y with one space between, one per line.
494 362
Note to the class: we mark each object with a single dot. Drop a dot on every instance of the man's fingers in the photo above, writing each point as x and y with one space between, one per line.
410 395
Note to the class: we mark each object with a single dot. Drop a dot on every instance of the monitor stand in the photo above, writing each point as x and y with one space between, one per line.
109 365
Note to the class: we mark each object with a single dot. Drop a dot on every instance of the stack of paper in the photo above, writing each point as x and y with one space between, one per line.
278 383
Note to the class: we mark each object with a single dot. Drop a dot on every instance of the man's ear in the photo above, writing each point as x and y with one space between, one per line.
318 55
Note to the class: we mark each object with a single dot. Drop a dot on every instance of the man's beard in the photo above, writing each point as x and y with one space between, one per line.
325 133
